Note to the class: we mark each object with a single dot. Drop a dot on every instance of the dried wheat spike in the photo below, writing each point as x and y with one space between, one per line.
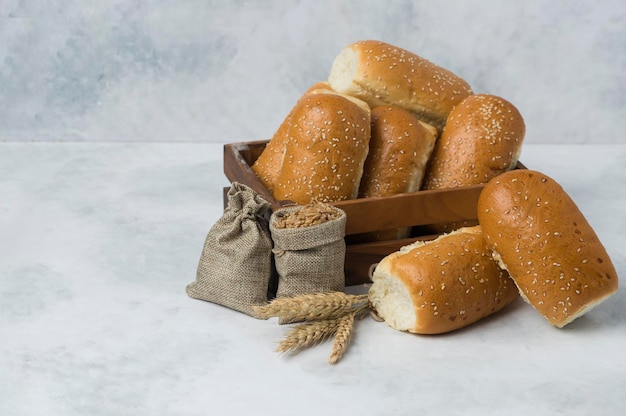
308 334
342 337
311 306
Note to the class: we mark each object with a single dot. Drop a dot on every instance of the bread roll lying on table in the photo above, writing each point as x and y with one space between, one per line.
539 235
442 285
383 74
482 138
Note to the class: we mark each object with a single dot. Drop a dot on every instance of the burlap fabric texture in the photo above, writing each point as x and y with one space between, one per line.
309 259
236 262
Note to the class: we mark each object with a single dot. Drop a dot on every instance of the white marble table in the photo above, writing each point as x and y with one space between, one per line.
97 244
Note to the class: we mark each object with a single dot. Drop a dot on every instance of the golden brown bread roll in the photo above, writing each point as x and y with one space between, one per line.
441 285
399 150
268 165
326 145
550 250
383 74
400 147
481 139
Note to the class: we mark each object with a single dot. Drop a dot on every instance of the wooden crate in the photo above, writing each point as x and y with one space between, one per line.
417 210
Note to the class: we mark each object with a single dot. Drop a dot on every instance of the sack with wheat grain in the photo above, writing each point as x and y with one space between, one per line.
309 248
235 266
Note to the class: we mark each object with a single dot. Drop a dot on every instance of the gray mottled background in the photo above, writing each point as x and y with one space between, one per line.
224 71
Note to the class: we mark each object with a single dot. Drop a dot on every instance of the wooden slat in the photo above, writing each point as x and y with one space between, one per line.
410 209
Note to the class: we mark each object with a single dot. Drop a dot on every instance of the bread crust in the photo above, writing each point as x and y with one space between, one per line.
326 145
482 138
382 74
452 282
551 251
267 165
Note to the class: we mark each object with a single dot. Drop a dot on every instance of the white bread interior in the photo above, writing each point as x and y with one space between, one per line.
393 301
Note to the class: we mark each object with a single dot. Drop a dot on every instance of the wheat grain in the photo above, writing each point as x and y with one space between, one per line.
342 337
313 213
308 334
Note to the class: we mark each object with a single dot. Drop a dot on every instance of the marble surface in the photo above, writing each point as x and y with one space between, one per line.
98 242
190 70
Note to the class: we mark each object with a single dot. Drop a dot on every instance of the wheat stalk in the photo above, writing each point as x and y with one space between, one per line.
327 314
308 334
312 306
342 337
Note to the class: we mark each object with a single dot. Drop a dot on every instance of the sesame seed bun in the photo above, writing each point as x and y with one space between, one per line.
399 149
382 74
482 138
268 165
539 235
440 285
326 143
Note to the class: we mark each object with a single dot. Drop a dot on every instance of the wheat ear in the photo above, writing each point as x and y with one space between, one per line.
311 306
342 337
308 334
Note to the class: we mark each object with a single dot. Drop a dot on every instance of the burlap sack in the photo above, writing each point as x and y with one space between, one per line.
309 258
236 262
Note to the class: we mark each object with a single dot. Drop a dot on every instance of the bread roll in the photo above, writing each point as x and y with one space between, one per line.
400 147
399 150
482 138
268 164
440 286
539 235
383 74
326 146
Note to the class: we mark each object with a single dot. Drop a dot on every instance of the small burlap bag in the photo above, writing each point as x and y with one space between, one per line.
309 250
236 262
